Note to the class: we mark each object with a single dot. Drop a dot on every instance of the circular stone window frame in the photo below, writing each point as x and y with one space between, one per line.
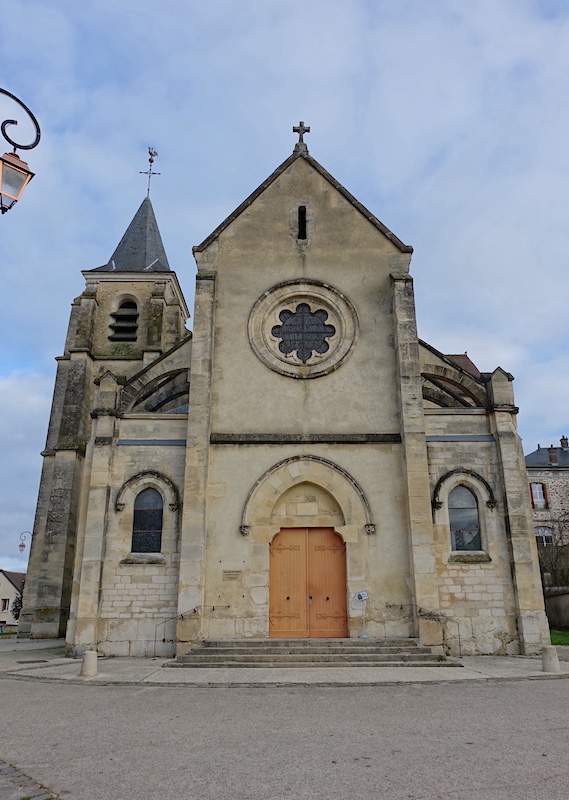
265 315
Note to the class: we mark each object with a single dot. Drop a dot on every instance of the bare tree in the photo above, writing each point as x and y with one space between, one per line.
554 555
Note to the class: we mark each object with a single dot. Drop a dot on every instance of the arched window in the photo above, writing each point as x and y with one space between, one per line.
147 522
125 324
544 535
464 520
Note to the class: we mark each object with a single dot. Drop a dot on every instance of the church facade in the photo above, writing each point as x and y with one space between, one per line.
299 447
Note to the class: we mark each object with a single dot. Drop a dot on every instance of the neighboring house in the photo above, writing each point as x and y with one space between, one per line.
302 445
548 476
10 584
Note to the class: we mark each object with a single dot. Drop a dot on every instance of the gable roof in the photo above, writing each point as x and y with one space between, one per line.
16 578
141 248
303 153
464 362
541 458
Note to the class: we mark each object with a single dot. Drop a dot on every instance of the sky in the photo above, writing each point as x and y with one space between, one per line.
448 120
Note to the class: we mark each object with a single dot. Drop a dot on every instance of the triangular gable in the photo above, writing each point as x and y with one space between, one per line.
16 578
300 153
110 376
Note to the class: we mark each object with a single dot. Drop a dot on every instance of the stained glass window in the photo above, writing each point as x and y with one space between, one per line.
303 331
464 521
147 523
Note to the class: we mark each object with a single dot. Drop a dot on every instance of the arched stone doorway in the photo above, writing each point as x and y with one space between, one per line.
308 511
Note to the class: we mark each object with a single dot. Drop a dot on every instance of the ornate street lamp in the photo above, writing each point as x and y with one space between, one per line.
22 545
15 173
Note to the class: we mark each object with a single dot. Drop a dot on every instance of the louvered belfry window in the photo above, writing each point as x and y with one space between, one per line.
147 522
125 322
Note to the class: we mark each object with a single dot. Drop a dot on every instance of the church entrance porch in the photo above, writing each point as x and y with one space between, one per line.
307 584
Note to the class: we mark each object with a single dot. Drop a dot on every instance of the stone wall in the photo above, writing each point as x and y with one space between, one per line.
476 589
557 486
138 590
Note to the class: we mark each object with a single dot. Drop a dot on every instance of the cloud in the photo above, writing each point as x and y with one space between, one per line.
24 412
448 120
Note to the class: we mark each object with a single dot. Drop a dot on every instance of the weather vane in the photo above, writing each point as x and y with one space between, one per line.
152 153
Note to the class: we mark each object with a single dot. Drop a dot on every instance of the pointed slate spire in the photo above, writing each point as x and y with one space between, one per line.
141 248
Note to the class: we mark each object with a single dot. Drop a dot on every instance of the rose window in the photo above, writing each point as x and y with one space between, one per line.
303 331
303 328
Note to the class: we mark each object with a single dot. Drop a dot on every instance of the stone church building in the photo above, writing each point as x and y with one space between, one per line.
299 446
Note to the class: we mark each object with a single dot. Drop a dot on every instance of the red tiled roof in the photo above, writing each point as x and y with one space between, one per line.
463 361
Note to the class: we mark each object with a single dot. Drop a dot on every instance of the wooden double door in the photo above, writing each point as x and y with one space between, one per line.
307 584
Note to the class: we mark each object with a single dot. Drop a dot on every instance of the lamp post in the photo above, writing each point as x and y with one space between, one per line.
22 545
15 173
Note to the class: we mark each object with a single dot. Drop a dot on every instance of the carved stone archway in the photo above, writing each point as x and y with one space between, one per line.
260 522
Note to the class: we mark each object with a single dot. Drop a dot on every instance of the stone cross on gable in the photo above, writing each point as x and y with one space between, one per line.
301 129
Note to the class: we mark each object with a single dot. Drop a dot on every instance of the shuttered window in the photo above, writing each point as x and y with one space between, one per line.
125 322
538 493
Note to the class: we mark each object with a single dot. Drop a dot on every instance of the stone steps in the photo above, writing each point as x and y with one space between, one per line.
204 664
231 652
304 653
365 644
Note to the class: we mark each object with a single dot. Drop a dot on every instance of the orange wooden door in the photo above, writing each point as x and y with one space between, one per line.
288 605
307 584
326 581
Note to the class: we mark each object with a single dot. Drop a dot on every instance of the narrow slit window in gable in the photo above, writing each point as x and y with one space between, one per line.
302 222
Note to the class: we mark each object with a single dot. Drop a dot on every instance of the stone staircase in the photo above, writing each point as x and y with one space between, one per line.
302 653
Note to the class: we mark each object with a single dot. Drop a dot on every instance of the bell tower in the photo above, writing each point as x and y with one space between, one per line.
130 313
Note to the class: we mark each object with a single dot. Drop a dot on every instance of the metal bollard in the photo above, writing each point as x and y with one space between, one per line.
89 664
549 659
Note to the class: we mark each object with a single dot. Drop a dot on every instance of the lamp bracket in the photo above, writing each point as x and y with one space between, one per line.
7 122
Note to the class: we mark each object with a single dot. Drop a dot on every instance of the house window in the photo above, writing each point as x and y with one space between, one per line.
464 520
5 604
147 522
125 322
538 495
544 536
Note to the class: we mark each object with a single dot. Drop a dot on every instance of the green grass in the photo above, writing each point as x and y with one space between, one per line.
560 637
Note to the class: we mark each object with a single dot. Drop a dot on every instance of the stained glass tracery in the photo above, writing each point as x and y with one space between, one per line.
303 331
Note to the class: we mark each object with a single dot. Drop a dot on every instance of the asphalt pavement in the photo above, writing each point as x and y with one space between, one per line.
496 728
